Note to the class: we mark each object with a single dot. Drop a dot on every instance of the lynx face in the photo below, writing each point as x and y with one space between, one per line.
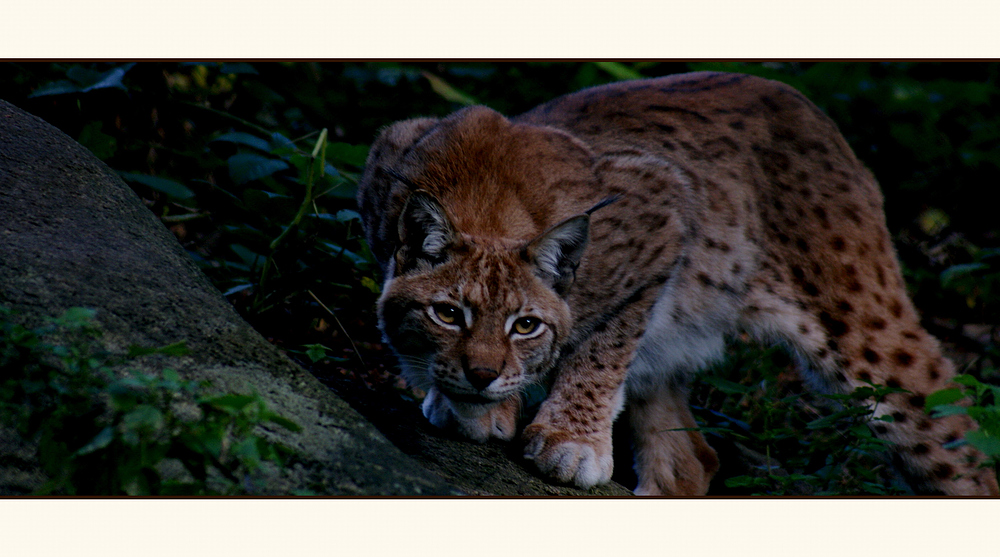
472 321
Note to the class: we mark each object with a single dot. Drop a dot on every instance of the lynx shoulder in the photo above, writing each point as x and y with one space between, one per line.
607 242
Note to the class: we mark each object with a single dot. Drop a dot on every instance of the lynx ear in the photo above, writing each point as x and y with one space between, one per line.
556 253
425 232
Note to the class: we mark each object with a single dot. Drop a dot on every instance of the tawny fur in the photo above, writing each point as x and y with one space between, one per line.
739 208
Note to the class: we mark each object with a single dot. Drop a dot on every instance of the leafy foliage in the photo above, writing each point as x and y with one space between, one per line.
103 434
808 443
984 409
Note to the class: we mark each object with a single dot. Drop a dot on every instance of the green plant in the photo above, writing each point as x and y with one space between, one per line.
808 443
98 432
984 409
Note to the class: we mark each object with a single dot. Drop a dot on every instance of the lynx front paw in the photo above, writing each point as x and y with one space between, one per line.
476 421
584 461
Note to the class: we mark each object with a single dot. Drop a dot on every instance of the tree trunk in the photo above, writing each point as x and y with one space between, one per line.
73 234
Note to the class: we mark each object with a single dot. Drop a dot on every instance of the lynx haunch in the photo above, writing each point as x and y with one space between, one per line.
607 242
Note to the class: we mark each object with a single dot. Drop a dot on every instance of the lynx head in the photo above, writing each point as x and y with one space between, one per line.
477 319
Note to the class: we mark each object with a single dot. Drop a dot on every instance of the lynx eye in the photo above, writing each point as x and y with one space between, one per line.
526 325
447 314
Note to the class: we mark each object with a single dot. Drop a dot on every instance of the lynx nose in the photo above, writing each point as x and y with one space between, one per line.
481 377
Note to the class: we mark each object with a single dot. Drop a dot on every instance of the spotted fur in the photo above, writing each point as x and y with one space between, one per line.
733 205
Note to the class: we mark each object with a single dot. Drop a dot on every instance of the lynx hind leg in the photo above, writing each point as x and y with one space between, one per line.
849 340
671 456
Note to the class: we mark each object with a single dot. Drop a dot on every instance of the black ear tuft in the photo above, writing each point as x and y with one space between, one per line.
556 253
425 232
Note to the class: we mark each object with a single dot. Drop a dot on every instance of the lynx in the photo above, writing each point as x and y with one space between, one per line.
607 242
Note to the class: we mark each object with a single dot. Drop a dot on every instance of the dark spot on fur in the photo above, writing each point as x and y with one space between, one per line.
798 273
951 438
924 424
943 471
871 356
851 212
892 383
802 245
665 128
845 306
838 244
876 323
933 372
810 289
834 326
865 376
916 401
911 335
803 329
903 358
896 308
880 429
770 104
920 448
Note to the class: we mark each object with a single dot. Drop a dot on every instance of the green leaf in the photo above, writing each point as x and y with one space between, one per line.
967 380
77 317
237 288
355 155
282 421
171 375
953 273
988 444
280 142
167 187
176 349
943 410
944 396
370 284
447 92
619 71
91 80
316 352
243 138
347 215
60 87
102 145
143 416
247 167
246 254
101 440
230 402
